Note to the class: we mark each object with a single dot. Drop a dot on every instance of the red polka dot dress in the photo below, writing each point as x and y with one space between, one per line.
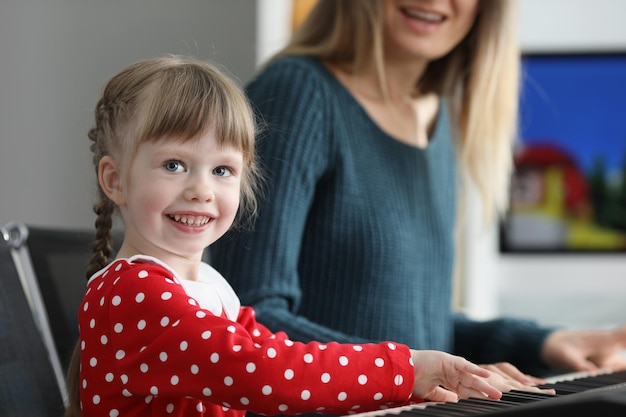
153 344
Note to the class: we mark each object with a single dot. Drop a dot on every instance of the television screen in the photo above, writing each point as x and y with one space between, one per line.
568 191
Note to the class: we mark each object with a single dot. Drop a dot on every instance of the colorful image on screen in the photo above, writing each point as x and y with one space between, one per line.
568 192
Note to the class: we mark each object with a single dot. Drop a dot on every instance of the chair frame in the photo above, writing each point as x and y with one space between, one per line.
16 236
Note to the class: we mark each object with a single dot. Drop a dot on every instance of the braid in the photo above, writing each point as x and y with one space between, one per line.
105 208
103 249
99 133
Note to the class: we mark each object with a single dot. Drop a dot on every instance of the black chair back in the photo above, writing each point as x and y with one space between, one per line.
31 384
60 258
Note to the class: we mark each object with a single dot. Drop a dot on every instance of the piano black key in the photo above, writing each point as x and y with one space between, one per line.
574 387
602 380
429 411
524 396
586 383
475 408
564 389
462 409
471 403
495 404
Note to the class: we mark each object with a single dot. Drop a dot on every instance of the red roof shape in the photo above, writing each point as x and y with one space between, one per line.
544 154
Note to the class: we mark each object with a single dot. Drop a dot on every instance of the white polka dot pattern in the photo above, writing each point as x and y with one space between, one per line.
148 347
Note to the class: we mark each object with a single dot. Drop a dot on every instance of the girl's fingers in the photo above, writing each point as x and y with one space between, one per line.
476 386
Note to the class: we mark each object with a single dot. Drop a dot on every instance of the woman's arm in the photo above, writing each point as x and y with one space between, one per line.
502 340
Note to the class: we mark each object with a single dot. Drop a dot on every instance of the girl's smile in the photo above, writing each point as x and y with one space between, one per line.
190 220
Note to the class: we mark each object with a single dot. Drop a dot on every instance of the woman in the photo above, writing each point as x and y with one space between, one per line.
377 113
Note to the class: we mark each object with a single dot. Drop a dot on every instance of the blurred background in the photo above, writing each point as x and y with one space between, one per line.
55 56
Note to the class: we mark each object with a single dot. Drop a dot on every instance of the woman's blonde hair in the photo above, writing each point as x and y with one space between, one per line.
479 78
167 98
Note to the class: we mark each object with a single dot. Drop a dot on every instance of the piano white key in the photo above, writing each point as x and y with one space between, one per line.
395 410
573 375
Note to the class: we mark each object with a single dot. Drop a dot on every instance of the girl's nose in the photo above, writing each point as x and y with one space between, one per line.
199 190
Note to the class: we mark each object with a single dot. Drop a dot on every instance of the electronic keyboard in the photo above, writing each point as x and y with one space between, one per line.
577 394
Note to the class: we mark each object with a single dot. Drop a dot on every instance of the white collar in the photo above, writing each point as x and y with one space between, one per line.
211 290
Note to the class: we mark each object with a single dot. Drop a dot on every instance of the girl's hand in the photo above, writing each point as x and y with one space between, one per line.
442 377
509 371
507 377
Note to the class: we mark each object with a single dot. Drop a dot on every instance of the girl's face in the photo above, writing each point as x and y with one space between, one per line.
426 29
179 197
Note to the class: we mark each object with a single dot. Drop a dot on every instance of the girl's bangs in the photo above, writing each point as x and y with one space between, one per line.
186 103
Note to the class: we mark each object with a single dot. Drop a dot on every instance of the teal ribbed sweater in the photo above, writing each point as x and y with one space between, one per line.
354 241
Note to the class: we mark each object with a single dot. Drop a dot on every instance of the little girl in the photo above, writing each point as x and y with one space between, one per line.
161 332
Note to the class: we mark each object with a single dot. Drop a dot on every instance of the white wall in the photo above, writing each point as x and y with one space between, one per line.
568 290
273 27
56 56
572 24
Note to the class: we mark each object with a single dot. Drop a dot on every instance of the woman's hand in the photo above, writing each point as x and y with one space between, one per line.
586 350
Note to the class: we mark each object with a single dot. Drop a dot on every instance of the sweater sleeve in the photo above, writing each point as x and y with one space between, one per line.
162 343
292 100
502 340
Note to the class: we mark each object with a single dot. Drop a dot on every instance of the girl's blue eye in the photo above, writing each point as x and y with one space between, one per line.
222 172
173 166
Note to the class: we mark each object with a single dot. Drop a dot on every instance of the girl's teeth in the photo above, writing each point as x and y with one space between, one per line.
191 220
